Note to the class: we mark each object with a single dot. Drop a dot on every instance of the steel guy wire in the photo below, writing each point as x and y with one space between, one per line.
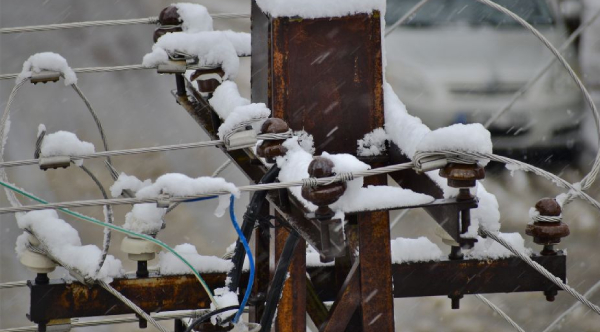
542 71
406 16
499 312
587 294
175 199
127 152
131 305
72 25
76 323
108 69
541 269
589 179
13 284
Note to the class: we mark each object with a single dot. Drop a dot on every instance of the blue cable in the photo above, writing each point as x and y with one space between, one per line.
250 259
200 199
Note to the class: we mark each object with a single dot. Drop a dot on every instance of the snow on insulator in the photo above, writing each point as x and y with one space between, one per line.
254 114
47 61
294 166
319 8
194 17
62 242
407 132
213 48
169 264
462 137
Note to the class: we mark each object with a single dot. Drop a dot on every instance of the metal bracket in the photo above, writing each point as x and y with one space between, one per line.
163 201
173 67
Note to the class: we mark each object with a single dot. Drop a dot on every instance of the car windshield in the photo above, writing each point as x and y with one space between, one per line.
470 12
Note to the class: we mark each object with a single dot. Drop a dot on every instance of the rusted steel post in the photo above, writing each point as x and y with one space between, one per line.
376 268
261 256
291 312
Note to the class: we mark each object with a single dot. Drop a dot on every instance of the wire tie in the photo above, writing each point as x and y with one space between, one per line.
54 162
45 76
310 182
163 201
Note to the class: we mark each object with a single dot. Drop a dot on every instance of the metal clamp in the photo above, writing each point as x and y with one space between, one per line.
163 201
173 67
240 140
54 162
45 76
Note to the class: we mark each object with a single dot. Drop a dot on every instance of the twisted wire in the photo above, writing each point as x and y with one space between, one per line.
13 284
109 218
174 199
75 323
108 69
541 72
127 152
540 218
221 168
131 305
406 16
541 269
499 312
73 25
38 144
589 179
587 294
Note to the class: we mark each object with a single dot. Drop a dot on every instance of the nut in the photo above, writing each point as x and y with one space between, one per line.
462 175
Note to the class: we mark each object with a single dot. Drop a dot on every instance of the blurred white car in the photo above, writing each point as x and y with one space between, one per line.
459 61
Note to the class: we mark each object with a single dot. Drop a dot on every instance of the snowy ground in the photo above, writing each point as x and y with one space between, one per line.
138 110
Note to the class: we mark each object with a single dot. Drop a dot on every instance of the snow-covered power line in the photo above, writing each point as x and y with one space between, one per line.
73 25
128 152
13 284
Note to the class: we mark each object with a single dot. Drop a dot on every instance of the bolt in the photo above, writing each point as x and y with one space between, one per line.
462 175
455 253
551 295
548 234
42 327
455 301
142 269
142 323
42 279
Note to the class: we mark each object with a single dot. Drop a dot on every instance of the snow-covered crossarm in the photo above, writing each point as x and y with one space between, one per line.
62 242
319 8
47 61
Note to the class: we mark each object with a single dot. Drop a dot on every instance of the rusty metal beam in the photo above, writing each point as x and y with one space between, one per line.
469 276
315 308
346 303
60 300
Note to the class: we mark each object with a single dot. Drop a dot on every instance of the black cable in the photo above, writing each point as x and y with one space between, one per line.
207 316
276 288
250 217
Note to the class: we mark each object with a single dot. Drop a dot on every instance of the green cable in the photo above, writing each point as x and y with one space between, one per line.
121 230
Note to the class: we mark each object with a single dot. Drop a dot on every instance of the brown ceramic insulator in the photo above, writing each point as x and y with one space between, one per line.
547 233
272 149
323 196
169 16
462 175
159 32
548 207
208 85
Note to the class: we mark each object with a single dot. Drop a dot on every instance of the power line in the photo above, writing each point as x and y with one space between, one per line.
499 312
84 24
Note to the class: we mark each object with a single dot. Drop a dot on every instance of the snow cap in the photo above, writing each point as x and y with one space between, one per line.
47 61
